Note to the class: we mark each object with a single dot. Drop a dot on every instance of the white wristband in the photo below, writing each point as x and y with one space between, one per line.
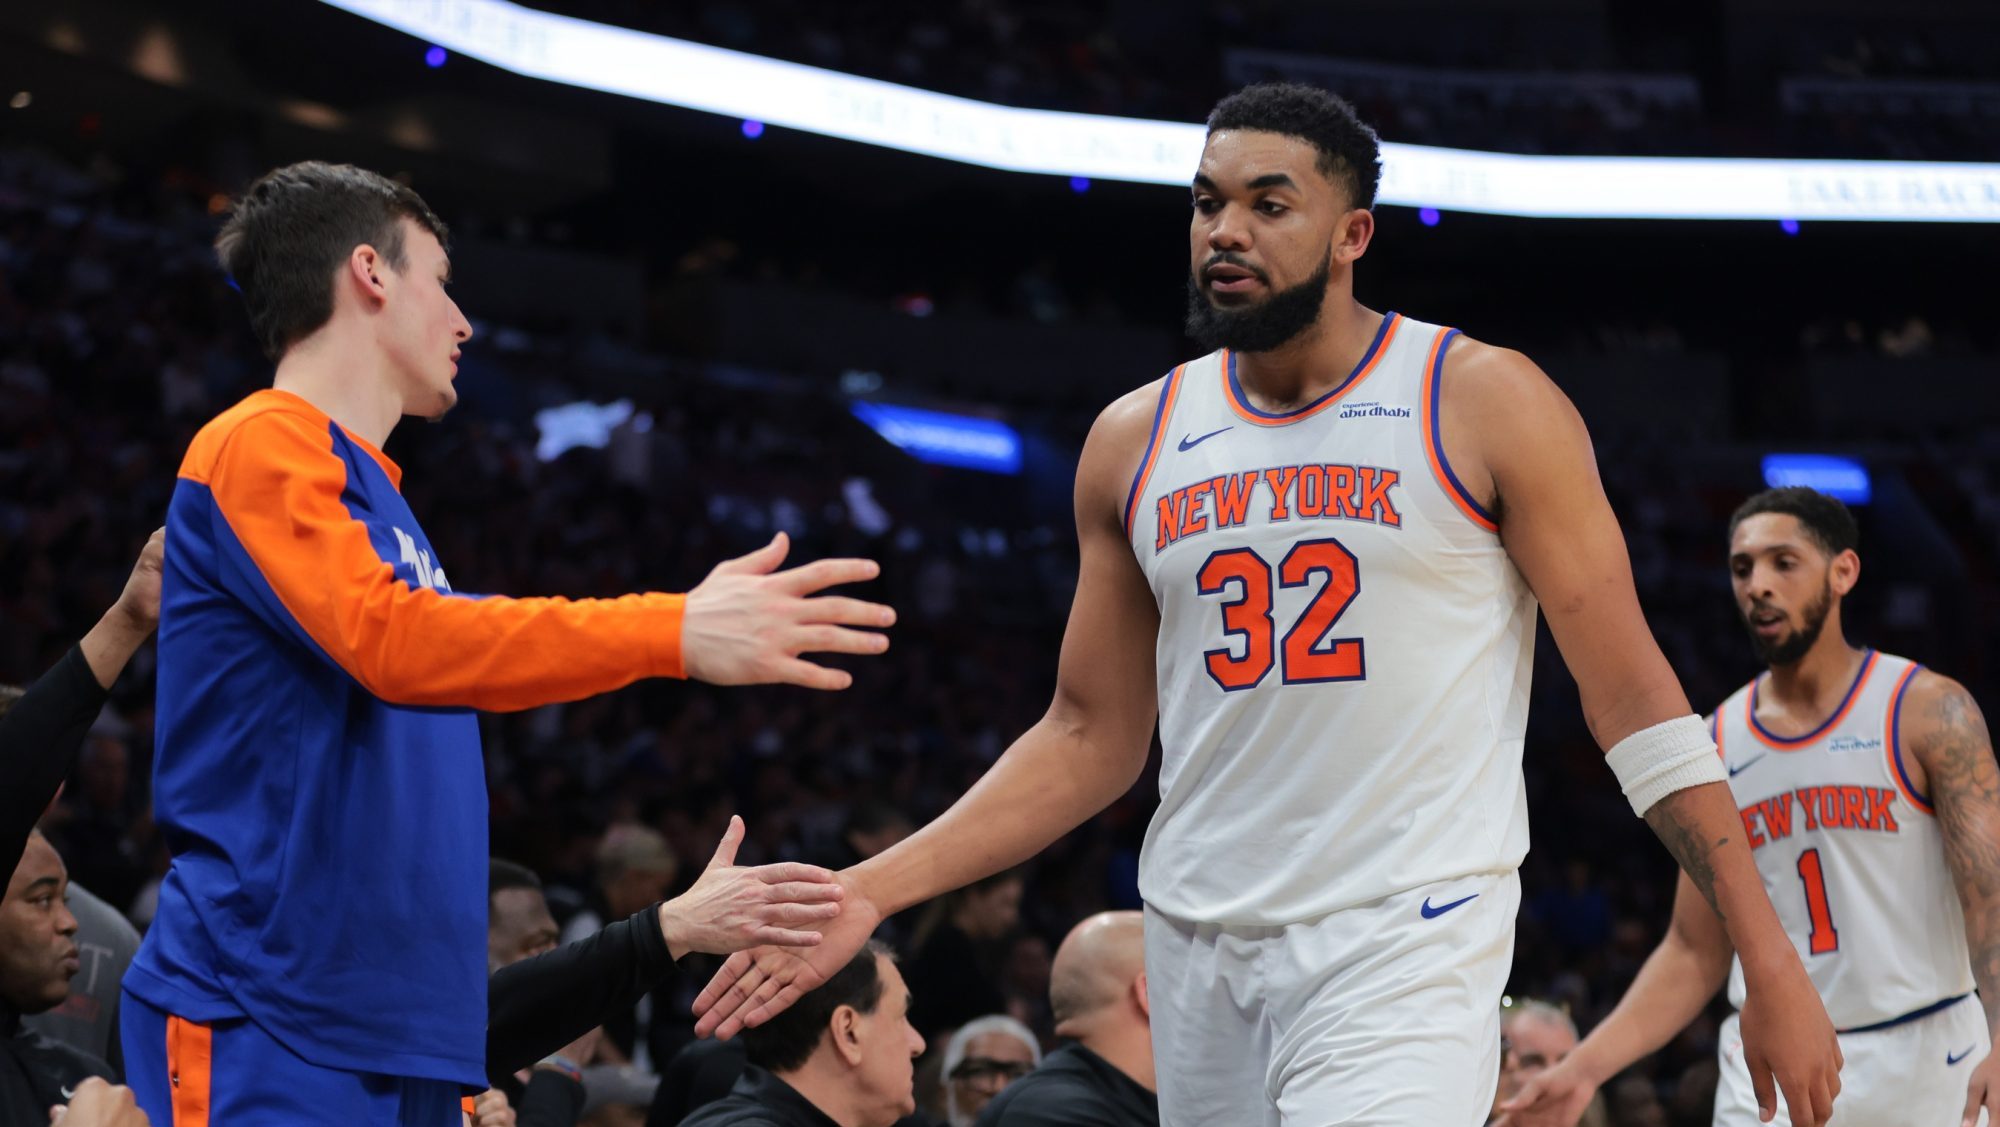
1672 755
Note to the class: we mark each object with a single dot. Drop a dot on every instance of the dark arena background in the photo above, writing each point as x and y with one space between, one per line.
848 319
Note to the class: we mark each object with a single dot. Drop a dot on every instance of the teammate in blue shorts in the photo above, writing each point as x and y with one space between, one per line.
319 952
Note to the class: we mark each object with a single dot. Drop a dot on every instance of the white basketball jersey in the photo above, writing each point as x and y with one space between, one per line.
1344 646
1851 854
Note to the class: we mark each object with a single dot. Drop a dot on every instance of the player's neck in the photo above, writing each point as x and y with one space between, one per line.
1816 682
359 396
1312 363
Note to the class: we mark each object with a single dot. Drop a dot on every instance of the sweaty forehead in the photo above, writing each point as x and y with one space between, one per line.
1233 158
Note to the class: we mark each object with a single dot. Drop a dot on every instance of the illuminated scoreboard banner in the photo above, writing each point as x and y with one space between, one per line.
1091 146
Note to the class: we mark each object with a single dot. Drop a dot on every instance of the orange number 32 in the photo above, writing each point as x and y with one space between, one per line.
1308 655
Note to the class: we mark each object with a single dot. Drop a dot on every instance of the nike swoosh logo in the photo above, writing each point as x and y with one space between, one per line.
68 1094
1188 444
1431 913
1950 1060
1746 765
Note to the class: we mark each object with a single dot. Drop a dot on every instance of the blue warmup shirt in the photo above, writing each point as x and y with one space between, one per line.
317 774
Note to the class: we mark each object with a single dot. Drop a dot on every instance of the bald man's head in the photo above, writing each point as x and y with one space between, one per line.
1096 966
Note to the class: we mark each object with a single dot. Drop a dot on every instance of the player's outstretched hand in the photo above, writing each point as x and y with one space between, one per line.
731 908
1789 1044
748 622
1555 1098
757 985
1984 1092
98 1104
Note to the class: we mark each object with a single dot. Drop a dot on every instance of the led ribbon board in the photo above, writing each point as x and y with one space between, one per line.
1841 478
945 439
675 72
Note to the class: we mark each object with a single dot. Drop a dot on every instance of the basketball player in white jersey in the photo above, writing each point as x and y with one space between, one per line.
1870 797
1315 555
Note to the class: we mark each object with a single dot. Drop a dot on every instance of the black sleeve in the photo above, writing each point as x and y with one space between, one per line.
39 738
550 1100
538 1005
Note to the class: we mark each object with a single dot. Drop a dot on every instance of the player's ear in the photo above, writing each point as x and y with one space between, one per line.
1140 996
364 271
1844 572
1352 235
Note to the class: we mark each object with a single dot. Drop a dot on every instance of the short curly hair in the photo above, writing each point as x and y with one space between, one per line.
1825 519
1349 152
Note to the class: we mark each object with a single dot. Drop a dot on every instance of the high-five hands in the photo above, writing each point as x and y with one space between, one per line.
758 984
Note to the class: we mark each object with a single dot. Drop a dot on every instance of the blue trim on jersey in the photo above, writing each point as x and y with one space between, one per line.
1896 739
1840 710
1905 1019
1243 401
1152 442
1437 431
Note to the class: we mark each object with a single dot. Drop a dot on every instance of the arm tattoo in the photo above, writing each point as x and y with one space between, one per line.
1965 788
1686 845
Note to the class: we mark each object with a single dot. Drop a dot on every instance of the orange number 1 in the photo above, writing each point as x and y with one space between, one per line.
1825 937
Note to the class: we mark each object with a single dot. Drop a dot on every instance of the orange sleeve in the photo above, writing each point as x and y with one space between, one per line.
277 485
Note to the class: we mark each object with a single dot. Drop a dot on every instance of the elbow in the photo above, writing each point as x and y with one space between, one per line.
1110 752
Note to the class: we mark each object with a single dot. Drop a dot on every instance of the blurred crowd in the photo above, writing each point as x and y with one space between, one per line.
118 338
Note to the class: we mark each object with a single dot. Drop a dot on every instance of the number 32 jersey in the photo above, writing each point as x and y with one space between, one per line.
1344 646
1850 852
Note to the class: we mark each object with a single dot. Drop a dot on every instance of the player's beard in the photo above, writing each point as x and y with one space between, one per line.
1791 648
1260 326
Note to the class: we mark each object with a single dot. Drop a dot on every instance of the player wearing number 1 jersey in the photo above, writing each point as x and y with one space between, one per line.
1314 555
1870 797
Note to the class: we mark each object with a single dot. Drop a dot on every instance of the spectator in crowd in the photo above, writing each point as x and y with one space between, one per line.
88 1019
38 957
983 1057
1537 1034
519 926
956 952
634 868
518 923
1104 1077
843 1056
41 730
